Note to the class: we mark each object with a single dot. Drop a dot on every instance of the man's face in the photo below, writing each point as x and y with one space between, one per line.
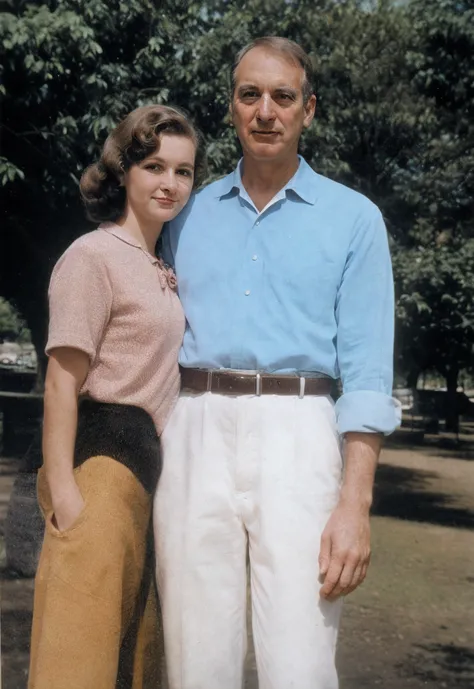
267 105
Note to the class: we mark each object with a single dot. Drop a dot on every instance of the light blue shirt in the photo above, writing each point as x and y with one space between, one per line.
304 286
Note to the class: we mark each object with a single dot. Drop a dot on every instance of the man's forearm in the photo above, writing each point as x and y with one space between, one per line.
361 453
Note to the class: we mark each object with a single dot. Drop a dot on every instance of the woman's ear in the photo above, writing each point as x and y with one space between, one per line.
121 174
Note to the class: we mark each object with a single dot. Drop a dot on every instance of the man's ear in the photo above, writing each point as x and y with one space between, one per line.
229 118
309 110
230 113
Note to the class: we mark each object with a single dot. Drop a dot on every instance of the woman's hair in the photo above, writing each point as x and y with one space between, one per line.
133 140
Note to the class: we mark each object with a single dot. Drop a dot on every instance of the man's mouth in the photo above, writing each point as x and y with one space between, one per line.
264 133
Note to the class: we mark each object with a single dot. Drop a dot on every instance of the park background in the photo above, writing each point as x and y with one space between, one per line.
394 120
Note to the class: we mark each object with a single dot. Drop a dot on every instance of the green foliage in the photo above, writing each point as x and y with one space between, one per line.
9 172
435 306
12 327
435 265
394 120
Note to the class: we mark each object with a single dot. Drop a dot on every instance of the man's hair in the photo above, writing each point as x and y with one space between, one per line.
287 48
134 139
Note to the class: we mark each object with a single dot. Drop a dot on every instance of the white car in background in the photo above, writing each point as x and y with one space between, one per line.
8 358
406 398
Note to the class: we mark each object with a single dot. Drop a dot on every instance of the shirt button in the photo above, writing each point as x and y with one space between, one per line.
247 292
258 222
254 257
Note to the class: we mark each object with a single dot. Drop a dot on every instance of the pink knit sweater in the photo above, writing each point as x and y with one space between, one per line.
113 300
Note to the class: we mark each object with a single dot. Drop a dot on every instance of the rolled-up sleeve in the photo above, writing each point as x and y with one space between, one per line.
365 332
80 301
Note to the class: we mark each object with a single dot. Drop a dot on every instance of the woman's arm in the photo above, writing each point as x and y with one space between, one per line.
67 370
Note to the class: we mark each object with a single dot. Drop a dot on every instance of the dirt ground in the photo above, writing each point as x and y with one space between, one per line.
411 625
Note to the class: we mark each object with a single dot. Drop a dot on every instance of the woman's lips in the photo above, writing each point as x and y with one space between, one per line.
164 201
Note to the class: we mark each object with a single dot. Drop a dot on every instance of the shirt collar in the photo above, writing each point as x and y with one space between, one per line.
126 237
303 183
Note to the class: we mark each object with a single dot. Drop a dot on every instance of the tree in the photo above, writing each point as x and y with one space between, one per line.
12 326
71 70
436 271
394 120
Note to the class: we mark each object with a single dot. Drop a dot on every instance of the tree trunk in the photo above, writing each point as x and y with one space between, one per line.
412 378
36 316
452 411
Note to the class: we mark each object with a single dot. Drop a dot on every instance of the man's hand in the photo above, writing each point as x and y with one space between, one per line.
345 550
345 543
68 508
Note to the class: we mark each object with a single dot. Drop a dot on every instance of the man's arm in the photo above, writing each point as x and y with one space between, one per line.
366 410
345 543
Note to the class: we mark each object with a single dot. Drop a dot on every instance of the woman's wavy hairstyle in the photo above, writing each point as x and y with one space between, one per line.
133 140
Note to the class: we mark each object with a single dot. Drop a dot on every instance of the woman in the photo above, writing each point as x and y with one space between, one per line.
115 329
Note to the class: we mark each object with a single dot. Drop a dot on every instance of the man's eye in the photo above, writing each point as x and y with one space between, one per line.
250 94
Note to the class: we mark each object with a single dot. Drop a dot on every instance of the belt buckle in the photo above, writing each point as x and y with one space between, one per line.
302 387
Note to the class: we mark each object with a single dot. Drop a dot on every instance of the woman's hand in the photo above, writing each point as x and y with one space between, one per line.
68 508
67 370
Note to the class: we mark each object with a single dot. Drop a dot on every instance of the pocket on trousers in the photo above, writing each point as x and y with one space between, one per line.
77 523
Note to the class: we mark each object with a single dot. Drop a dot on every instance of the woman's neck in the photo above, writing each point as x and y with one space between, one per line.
147 235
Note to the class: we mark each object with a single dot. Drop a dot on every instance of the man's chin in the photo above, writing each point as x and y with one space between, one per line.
266 150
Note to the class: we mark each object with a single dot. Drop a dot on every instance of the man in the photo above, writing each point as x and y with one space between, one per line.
286 283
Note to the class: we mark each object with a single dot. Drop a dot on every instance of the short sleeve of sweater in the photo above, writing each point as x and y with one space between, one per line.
80 300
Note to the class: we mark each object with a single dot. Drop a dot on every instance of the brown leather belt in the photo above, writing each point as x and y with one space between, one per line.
235 383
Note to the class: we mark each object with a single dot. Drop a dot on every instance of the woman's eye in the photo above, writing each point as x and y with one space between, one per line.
185 173
153 167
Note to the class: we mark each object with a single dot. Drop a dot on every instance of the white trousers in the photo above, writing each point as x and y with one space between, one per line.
256 476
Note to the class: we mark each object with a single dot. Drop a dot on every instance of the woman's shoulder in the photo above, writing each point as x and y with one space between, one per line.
88 253
93 245
90 242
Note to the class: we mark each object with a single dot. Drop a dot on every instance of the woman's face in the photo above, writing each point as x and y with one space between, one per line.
160 185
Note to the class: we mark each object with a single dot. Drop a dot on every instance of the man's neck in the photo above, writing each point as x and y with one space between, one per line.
264 179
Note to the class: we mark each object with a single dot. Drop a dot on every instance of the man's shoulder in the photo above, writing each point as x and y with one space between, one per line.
201 201
349 199
216 188
334 195
210 194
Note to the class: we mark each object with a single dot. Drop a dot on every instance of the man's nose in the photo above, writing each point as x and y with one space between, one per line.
266 111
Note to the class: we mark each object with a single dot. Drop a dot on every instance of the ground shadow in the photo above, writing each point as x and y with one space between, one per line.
433 445
401 493
16 616
417 435
450 665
